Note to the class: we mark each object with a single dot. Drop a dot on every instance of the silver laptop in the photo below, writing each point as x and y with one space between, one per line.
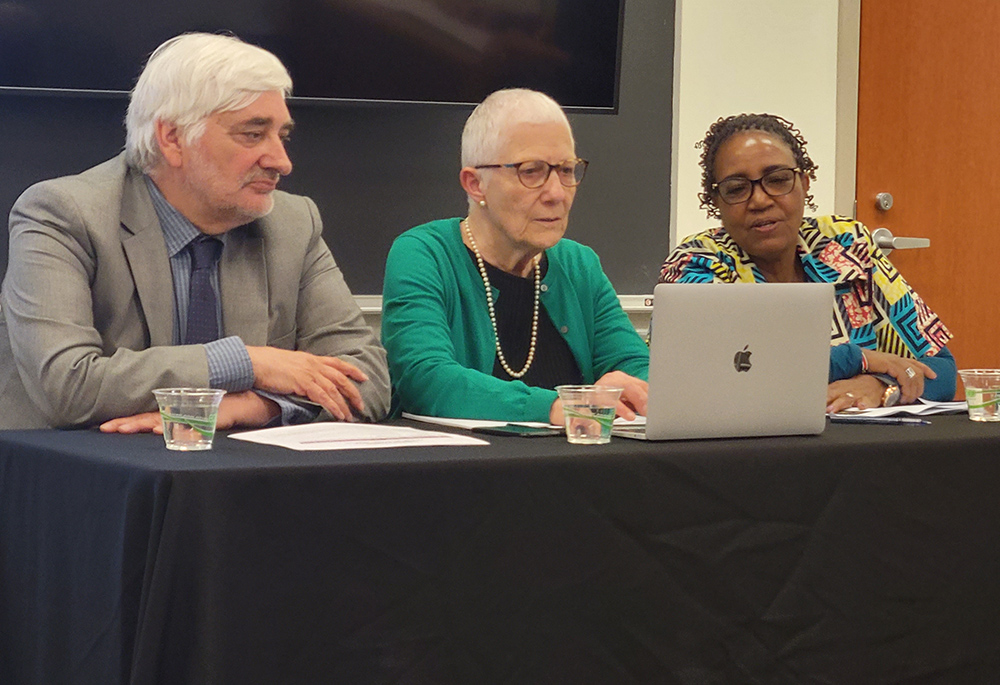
737 360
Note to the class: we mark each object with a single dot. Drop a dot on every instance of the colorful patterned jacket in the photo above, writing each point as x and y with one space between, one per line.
875 307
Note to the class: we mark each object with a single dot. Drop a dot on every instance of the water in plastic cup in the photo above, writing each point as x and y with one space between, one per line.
982 392
188 416
589 411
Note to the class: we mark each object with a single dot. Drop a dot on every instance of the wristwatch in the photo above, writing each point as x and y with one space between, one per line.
890 398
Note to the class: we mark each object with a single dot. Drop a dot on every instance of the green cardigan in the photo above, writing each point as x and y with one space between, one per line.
437 332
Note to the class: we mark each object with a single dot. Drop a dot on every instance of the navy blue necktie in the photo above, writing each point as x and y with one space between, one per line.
203 317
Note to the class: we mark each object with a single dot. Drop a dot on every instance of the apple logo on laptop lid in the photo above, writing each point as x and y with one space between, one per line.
741 361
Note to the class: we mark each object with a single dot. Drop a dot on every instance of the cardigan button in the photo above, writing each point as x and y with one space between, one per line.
544 288
564 329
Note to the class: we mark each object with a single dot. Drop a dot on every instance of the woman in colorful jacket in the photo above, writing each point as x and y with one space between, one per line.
887 345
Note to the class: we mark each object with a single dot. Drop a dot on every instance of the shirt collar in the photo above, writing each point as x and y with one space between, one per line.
178 231
837 258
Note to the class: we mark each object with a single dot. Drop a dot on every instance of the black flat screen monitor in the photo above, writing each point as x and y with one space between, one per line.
452 51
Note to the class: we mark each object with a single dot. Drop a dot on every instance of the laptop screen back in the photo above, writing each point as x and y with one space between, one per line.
734 360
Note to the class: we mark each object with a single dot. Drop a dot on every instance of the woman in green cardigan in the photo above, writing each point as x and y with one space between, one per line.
483 316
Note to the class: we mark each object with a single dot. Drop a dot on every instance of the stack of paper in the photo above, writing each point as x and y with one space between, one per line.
352 436
921 408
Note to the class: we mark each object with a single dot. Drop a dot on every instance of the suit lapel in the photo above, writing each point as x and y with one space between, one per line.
243 282
146 252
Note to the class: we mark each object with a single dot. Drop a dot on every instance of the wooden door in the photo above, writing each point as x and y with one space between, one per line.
929 134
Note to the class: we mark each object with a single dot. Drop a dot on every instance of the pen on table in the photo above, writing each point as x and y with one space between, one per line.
890 420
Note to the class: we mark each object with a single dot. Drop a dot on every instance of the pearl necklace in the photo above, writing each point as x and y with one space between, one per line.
493 316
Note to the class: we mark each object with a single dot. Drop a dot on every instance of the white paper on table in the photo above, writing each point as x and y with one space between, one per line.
921 408
352 436
469 424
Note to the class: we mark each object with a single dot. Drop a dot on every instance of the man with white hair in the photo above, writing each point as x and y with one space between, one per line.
178 263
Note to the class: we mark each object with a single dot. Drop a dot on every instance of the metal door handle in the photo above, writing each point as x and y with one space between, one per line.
887 242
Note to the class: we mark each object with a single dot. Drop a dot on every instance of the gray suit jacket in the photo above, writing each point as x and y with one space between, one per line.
86 309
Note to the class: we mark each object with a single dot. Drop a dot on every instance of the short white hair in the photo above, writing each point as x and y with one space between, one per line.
190 77
487 126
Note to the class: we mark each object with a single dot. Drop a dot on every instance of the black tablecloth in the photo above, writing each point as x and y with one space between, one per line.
869 554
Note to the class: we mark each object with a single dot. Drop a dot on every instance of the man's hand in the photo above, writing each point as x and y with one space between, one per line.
909 373
149 422
327 381
240 410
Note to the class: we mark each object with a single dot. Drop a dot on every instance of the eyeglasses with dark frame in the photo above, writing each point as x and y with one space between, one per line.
738 189
534 173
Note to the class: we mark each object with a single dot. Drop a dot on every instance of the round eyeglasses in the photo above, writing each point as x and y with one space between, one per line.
738 189
534 173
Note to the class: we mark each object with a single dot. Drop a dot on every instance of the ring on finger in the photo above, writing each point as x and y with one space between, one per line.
849 394
910 373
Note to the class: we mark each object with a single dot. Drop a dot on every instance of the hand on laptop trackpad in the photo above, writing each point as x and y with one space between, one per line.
637 421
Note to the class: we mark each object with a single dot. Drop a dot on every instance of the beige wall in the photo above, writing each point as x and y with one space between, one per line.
732 56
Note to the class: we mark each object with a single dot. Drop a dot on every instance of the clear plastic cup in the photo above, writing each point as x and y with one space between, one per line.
589 412
982 392
188 416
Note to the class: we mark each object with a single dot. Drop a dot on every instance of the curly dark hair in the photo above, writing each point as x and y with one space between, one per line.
724 128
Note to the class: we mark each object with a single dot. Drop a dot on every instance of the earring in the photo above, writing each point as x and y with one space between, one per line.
482 203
